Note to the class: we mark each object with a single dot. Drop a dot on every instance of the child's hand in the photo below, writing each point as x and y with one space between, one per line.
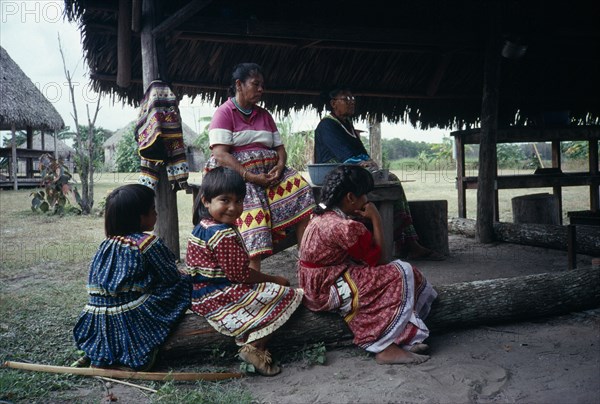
280 280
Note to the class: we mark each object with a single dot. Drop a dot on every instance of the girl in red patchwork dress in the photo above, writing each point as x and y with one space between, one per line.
235 299
341 270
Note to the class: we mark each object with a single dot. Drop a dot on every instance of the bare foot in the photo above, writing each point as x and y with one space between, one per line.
419 348
393 354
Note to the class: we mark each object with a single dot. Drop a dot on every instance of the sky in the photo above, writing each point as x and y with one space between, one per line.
29 32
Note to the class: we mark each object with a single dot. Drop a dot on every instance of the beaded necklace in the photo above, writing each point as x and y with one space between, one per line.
246 112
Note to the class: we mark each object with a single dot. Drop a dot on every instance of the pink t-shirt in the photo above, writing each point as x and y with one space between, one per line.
228 127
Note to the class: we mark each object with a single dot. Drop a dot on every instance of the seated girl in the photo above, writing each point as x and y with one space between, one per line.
341 270
136 293
235 299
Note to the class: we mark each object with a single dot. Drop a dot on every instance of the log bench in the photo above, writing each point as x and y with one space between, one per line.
458 305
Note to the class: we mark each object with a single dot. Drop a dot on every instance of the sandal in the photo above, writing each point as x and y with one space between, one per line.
261 360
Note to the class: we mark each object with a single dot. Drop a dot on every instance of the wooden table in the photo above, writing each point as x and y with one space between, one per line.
384 195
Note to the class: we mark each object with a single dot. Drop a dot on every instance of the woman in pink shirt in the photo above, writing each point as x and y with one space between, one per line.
243 136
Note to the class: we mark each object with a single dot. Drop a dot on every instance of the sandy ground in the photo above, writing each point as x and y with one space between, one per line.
551 360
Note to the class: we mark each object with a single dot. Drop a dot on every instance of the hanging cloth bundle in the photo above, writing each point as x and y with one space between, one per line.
159 135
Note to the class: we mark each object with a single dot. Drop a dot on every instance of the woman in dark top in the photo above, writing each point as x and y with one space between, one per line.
336 141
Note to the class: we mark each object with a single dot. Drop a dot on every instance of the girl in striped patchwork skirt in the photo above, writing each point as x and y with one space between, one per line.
136 293
235 299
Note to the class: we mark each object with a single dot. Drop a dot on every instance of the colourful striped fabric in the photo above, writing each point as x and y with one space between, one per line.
136 295
218 263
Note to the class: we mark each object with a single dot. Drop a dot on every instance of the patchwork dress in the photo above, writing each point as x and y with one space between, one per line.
136 295
218 263
382 304
268 212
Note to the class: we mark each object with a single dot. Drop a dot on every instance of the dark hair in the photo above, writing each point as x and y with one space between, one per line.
341 180
332 93
241 72
218 181
124 208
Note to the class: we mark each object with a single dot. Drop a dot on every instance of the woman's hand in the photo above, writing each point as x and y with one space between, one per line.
275 173
264 180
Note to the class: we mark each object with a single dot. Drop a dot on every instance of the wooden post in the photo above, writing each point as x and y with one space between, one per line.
124 44
167 225
375 140
43 140
460 169
29 160
487 150
54 135
556 163
13 170
593 169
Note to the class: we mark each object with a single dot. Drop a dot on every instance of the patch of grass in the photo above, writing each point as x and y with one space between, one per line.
204 393
309 355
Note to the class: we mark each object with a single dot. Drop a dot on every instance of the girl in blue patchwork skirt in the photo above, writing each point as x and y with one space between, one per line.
136 294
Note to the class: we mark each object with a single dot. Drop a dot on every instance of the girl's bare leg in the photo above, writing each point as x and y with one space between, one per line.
255 263
393 354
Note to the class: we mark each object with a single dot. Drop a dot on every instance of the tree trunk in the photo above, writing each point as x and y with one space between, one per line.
539 235
457 305
540 208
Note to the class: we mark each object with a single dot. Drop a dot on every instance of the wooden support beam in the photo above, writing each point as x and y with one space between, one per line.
179 17
486 191
124 44
136 15
167 224
375 141
13 167
295 91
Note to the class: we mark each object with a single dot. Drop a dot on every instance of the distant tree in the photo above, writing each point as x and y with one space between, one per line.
84 143
298 145
127 159
99 137
202 141
509 155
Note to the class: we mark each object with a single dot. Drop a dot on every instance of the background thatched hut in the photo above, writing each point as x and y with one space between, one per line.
23 107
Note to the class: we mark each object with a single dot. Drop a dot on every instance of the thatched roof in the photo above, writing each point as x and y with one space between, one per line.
189 136
417 61
21 103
